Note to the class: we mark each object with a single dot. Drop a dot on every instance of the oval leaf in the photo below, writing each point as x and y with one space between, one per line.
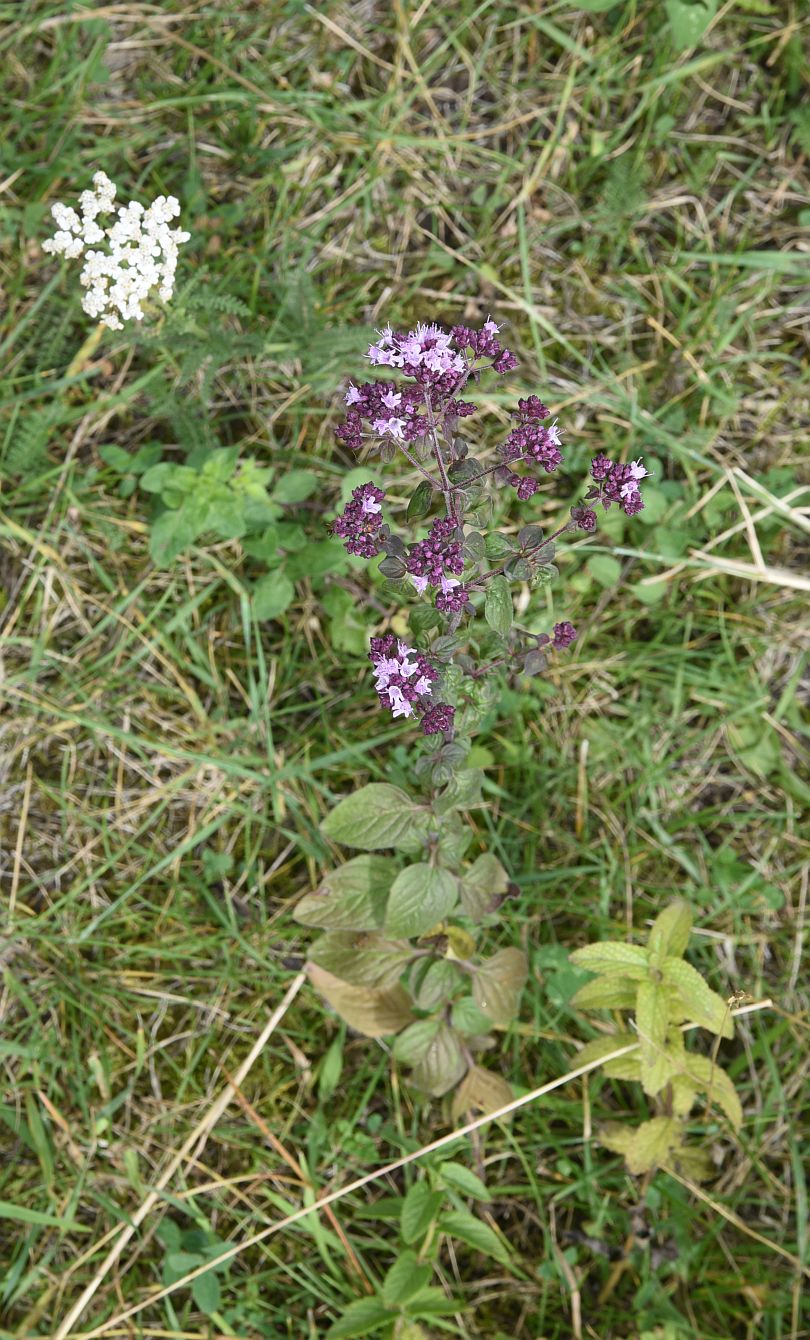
420 896
352 897
371 1011
498 605
497 985
376 816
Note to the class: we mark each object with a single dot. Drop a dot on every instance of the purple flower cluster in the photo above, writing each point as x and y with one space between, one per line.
483 344
360 521
564 635
532 442
617 483
402 677
430 560
385 410
439 362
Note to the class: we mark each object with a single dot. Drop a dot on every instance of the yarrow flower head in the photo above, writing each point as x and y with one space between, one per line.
360 521
618 483
140 251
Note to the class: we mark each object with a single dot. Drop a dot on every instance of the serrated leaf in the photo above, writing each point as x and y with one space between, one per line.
405 1278
482 886
684 1093
480 1091
420 501
498 605
670 931
442 1064
362 1317
703 1005
609 956
652 1020
369 1010
464 1180
463 1225
714 1082
352 897
419 1209
378 815
623 1067
646 1147
364 958
498 983
421 895
606 993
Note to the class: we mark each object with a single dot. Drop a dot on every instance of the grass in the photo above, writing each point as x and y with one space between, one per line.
635 214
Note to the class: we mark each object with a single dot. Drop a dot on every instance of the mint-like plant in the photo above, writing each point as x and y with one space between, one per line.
402 951
667 997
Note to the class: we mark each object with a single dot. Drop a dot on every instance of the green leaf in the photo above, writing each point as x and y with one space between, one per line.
421 895
609 956
378 815
437 985
711 1080
374 1012
652 1020
363 1317
498 983
646 1147
670 931
412 1043
295 486
272 595
605 569
597 6
170 534
468 1018
704 1006
419 1209
405 1278
498 546
498 605
420 501
689 20
442 1064
483 885
364 958
606 993
205 1292
623 1067
463 1225
464 1180
352 897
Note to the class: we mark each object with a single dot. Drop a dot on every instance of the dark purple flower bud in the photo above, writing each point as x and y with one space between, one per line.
564 634
601 467
431 559
585 518
505 362
438 718
532 407
360 521
461 408
450 602
526 488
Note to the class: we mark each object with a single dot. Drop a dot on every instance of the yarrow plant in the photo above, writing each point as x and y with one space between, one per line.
400 950
124 263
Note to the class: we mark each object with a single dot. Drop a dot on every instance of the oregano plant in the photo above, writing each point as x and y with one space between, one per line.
667 999
404 950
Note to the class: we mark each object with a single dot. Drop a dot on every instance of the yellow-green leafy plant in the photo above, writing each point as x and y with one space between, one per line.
667 999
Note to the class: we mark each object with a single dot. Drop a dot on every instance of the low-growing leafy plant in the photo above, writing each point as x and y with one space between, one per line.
402 952
667 998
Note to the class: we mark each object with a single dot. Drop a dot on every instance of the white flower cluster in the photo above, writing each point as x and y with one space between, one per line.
140 250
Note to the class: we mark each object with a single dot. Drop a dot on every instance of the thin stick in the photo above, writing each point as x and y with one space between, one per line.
201 1132
385 1171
